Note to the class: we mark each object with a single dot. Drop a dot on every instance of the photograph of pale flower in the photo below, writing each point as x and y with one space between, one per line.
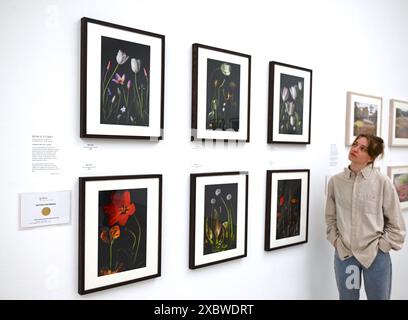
220 218
291 104
223 94
125 68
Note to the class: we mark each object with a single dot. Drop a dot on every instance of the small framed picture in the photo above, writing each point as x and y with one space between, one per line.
218 217
363 115
398 123
119 230
290 103
221 94
399 177
287 208
122 82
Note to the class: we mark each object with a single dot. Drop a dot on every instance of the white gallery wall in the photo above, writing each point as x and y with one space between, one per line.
351 45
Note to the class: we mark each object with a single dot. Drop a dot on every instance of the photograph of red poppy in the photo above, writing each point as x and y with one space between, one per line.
119 230
122 230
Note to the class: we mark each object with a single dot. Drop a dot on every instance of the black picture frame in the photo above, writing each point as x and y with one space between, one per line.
122 82
289 104
218 217
287 208
119 230
221 94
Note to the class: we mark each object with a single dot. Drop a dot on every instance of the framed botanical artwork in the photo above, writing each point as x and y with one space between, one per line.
122 81
287 208
220 94
398 123
363 115
119 230
218 217
289 103
399 177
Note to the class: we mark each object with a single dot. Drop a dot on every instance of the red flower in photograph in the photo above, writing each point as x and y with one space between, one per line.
281 200
120 209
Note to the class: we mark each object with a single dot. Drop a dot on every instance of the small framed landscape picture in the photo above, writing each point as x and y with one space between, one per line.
399 177
220 94
122 81
119 230
287 208
290 103
363 115
218 217
398 123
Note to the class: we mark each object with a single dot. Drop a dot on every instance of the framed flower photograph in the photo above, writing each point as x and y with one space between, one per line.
363 115
122 82
220 94
287 208
289 103
119 230
218 217
398 123
399 177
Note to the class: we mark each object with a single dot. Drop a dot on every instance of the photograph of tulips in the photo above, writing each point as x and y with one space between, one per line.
287 206
125 82
218 217
122 230
119 230
399 176
363 115
220 94
398 123
290 99
122 81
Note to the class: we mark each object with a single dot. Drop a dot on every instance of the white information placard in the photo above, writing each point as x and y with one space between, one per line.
45 208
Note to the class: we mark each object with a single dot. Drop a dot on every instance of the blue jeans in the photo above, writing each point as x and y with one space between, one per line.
377 277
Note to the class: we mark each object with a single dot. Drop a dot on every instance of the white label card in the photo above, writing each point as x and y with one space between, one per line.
45 208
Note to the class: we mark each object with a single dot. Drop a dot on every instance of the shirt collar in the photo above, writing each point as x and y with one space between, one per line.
365 172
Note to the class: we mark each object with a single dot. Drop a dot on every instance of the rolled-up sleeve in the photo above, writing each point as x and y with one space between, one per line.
394 224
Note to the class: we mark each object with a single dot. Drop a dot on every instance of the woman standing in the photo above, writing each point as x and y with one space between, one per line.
364 222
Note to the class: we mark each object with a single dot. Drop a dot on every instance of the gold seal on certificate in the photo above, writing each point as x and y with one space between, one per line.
45 211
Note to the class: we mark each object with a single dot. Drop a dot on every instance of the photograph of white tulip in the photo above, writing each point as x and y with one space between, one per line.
122 82
290 103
